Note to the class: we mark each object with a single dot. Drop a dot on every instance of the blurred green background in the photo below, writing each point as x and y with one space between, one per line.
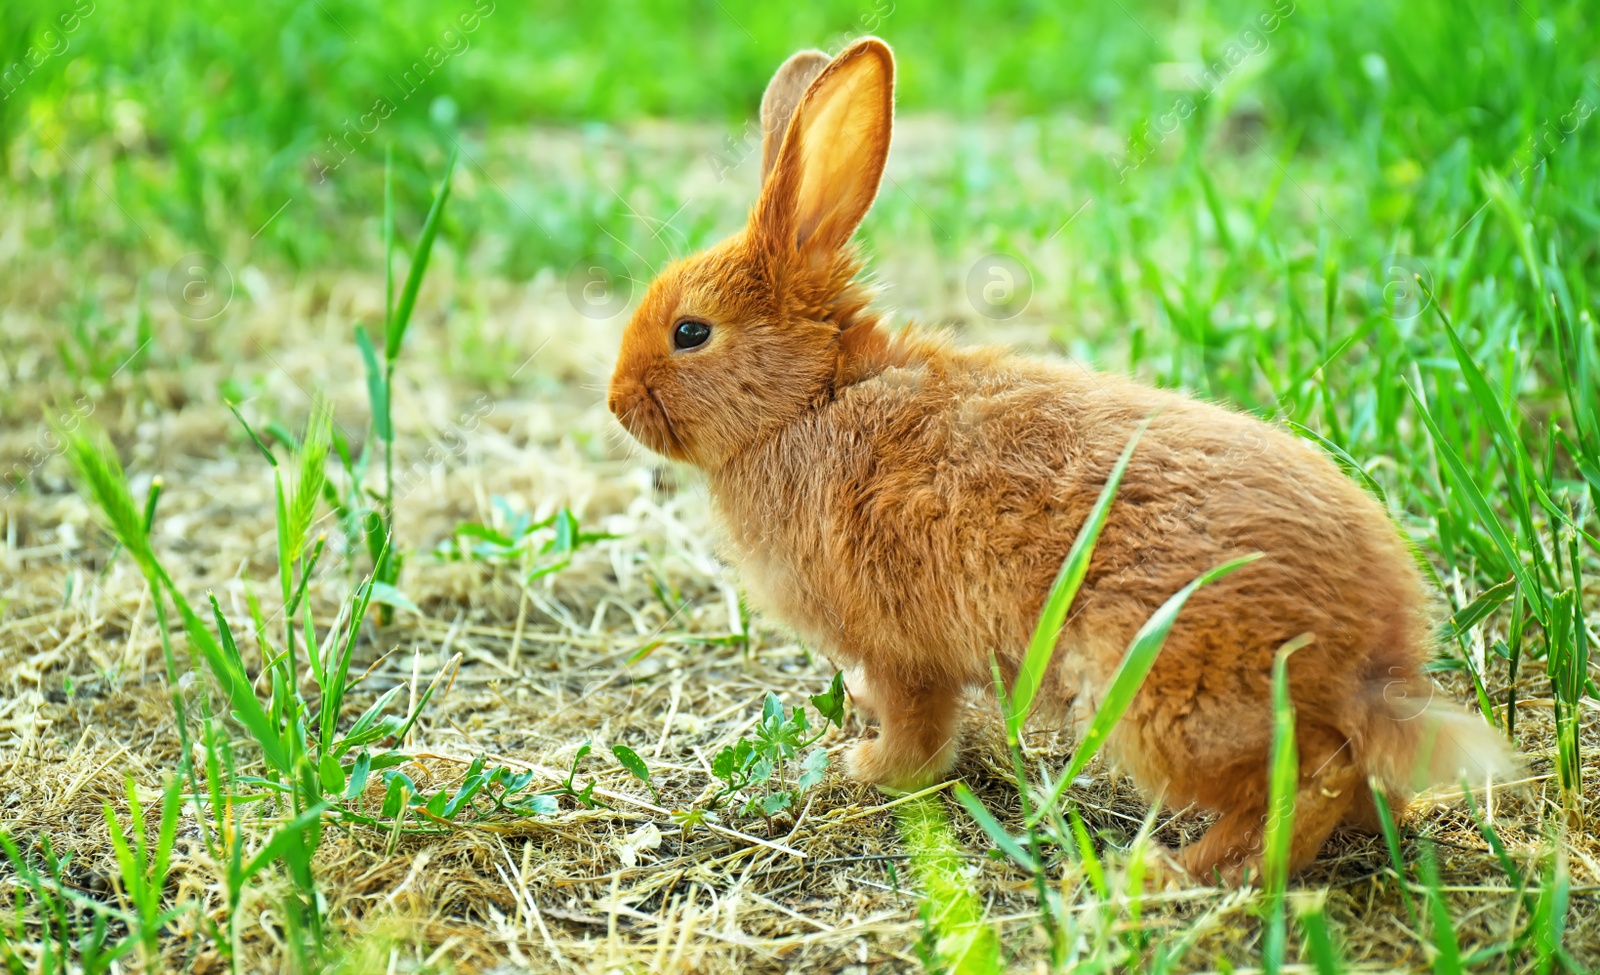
203 118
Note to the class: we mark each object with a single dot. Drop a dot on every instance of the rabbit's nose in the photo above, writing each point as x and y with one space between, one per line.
620 395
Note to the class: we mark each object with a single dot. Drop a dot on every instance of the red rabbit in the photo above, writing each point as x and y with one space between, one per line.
904 504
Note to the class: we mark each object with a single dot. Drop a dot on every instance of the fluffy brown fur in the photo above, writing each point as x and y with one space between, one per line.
904 505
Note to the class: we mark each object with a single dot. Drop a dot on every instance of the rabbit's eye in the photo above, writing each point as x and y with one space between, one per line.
690 334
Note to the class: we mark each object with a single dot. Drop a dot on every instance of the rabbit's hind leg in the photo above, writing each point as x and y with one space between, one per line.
1330 791
1364 817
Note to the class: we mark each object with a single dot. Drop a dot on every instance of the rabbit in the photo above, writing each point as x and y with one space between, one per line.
904 504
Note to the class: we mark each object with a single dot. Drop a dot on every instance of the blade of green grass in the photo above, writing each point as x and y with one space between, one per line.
1319 943
1447 949
395 328
1391 839
284 839
1087 856
335 688
377 390
1480 506
1512 449
265 451
1471 614
1136 663
1283 780
1047 632
1549 921
1003 840
230 677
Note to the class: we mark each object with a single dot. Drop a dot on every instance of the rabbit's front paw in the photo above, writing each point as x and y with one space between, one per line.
877 762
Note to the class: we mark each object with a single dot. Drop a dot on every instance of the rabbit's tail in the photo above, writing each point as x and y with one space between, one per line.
1411 742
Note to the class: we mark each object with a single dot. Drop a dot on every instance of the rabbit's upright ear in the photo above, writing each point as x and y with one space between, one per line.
830 163
783 94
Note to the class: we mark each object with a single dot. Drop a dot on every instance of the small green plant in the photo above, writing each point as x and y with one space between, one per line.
541 548
636 767
483 793
143 867
95 350
314 768
74 929
308 767
762 770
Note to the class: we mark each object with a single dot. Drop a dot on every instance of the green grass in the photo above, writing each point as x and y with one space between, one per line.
1380 226
227 110
315 767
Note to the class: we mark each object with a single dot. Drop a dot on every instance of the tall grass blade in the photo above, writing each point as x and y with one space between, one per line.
1473 613
1489 405
1047 632
1092 867
377 388
285 841
265 450
1319 942
1136 663
230 677
1003 840
1480 506
1549 921
1283 780
395 332
1442 931
1391 839
334 687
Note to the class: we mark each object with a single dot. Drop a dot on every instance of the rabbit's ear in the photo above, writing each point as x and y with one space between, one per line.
777 105
831 161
